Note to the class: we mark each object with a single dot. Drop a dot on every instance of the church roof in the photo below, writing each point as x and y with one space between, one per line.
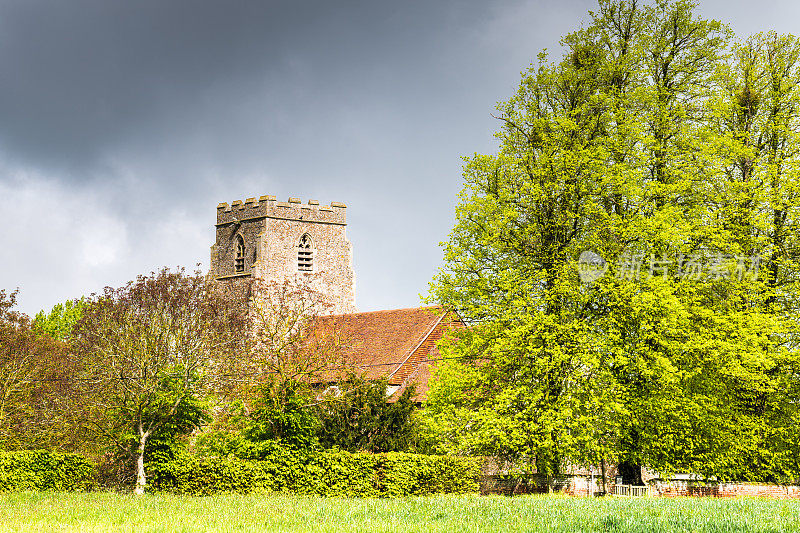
397 343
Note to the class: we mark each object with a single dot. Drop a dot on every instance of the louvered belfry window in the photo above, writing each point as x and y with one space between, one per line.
239 262
305 254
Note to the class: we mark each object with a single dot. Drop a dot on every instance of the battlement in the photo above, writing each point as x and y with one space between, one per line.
269 207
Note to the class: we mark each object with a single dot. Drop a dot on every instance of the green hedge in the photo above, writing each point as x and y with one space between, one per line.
405 474
329 473
41 470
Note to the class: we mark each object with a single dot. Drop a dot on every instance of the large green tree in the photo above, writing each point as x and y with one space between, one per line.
650 144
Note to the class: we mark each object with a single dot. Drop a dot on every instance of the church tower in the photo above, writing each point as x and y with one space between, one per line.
274 241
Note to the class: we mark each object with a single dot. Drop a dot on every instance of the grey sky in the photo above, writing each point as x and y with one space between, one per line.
123 124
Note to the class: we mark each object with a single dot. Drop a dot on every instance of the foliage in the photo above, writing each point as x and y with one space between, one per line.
406 474
61 319
45 471
290 352
147 349
117 468
358 417
172 437
327 473
669 151
36 385
287 418
290 346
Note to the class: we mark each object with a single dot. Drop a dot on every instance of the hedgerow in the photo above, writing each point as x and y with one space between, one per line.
328 473
43 470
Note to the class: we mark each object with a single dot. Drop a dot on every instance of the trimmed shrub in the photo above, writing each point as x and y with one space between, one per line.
405 474
190 474
341 473
328 473
42 470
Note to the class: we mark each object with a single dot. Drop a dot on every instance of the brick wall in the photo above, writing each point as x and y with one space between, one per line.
676 488
537 484
579 485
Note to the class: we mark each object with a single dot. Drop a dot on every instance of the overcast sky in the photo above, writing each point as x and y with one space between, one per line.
124 123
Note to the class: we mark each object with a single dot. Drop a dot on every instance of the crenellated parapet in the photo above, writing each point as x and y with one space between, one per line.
269 207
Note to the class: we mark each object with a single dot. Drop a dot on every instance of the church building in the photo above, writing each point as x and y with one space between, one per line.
273 241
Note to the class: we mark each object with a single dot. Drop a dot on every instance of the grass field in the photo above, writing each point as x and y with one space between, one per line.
115 512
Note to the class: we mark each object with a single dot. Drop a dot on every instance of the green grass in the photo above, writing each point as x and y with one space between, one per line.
461 514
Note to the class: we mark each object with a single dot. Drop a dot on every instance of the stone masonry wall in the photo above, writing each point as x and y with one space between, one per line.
271 231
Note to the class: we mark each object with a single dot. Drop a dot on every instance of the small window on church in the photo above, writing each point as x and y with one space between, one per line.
305 254
239 262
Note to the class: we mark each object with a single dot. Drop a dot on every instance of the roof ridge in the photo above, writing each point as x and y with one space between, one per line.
388 311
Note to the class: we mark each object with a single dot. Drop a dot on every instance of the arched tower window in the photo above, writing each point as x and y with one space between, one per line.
305 254
239 262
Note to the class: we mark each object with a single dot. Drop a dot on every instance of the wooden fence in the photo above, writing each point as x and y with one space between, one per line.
629 490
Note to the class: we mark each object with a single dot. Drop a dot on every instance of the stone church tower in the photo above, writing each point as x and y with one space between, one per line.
274 241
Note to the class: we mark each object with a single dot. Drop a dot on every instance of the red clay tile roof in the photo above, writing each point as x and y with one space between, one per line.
398 344
380 342
419 377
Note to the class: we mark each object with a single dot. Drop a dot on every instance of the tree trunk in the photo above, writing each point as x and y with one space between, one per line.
631 473
516 486
141 481
603 475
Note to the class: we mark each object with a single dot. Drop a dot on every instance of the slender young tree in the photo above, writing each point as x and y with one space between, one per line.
293 352
146 349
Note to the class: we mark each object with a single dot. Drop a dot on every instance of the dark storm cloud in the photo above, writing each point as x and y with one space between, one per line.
192 91
85 77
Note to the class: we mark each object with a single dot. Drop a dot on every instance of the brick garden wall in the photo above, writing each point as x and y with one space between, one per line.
722 490
579 485
536 484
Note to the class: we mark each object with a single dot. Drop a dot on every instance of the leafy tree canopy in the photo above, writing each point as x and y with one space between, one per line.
147 352
358 417
628 259
61 319
36 385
